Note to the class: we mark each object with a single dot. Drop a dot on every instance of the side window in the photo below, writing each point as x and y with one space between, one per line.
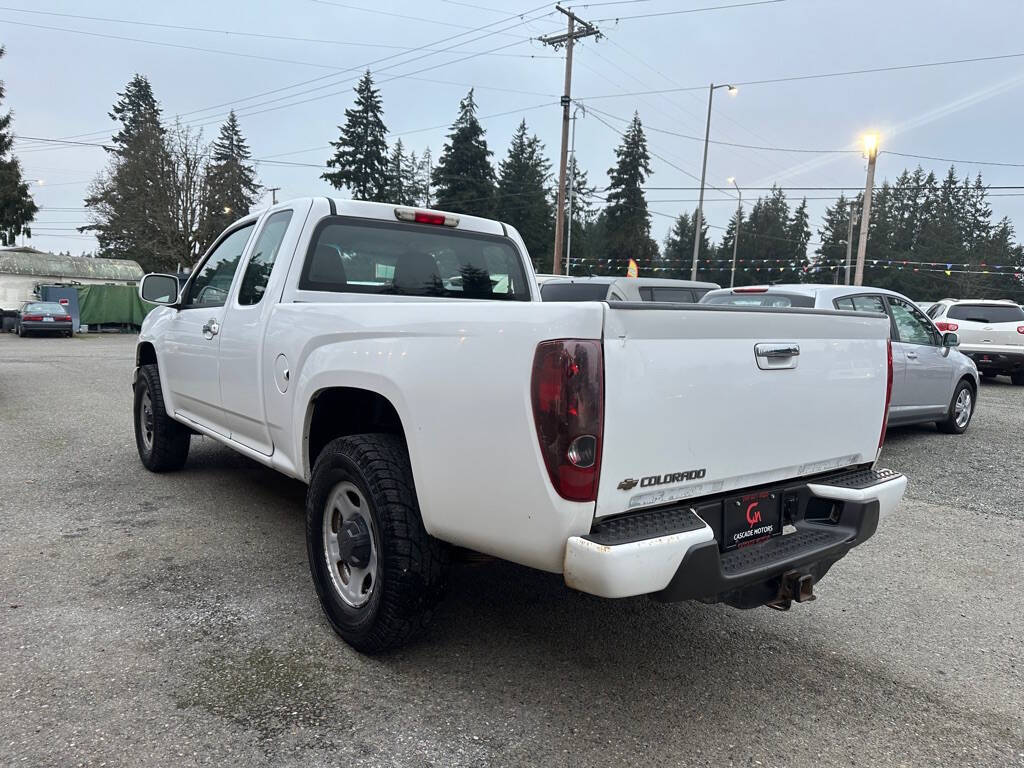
934 311
615 297
911 324
674 295
257 271
845 304
869 304
210 287
647 294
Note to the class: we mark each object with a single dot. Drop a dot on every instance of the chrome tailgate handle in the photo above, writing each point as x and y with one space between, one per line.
779 356
775 351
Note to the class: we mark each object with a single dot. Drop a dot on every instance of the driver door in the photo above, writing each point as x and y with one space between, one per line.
928 379
190 359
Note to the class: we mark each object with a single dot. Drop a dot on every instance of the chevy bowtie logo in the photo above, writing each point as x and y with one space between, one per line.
628 484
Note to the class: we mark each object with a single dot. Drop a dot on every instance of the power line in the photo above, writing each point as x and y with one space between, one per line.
232 32
395 15
951 160
691 10
794 78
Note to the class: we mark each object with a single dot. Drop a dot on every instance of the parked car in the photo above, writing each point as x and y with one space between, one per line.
560 288
620 444
933 380
43 317
991 333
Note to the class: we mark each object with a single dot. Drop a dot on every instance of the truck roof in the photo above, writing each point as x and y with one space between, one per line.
639 281
386 212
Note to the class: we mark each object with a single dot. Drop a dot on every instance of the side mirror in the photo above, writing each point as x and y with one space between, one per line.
159 289
950 339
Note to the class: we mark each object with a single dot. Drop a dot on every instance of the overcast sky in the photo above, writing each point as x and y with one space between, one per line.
61 83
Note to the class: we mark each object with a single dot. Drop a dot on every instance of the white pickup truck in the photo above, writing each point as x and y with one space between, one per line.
401 363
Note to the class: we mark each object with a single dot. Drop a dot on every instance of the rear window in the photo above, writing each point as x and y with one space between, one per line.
574 291
45 306
669 294
760 300
412 260
986 313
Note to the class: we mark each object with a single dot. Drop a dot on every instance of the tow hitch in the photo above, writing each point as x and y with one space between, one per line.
794 586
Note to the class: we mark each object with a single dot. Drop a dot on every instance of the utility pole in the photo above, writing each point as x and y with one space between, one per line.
849 238
556 41
736 232
572 186
871 147
273 194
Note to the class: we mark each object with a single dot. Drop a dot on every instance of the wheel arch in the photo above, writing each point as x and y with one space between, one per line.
337 411
145 353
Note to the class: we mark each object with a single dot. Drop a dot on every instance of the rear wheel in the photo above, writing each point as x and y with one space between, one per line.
162 442
21 332
1017 378
377 572
961 409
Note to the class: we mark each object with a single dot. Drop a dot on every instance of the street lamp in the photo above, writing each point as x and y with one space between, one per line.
733 90
736 232
870 141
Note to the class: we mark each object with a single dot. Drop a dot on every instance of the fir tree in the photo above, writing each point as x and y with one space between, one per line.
131 203
424 166
770 251
798 233
524 196
361 151
581 246
830 255
677 253
17 208
231 180
724 254
626 217
464 177
401 177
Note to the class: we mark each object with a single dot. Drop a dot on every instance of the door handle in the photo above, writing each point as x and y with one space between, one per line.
211 328
911 355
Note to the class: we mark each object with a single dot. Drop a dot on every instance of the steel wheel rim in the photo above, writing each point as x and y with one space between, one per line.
962 409
146 420
354 581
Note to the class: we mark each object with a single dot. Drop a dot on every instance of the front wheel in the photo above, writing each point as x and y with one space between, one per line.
961 409
377 572
162 442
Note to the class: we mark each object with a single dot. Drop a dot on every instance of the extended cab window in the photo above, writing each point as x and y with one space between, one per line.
412 260
257 271
210 287
672 295
861 304
574 291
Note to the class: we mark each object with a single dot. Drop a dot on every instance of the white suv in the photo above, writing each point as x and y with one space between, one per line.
991 332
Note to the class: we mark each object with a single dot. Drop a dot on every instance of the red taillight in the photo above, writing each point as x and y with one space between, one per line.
33 318
1020 329
751 289
888 393
946 326
567 390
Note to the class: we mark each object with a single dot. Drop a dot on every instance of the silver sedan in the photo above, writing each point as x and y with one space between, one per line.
932 380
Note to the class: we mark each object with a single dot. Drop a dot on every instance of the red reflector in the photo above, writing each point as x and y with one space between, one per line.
1020 329
888 393
752 289
567 390
64 302
946 326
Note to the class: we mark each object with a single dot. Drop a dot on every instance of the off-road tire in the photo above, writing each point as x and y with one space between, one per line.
949 425
411 564
170 439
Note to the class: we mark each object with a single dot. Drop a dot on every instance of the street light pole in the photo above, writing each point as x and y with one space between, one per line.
703 173
849 240
572 184
736 232
871 147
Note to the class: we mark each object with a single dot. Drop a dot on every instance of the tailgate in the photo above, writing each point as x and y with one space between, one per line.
691 410
991 334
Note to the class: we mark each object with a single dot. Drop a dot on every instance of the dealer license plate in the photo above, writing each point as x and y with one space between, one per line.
751 518
47 319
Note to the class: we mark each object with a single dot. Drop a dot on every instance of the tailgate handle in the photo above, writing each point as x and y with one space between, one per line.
776 351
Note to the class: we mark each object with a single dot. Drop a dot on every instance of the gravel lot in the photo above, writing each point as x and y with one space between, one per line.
170 620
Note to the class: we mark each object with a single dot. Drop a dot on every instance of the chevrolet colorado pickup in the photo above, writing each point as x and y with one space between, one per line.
401 363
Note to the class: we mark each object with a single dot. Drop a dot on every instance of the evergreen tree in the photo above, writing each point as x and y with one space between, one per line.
361 151
677 253
424 166
464 177
722 271
17 208
628 223
524 196
232 188
401 177
798 233
581 246
131 203
770 250
830 262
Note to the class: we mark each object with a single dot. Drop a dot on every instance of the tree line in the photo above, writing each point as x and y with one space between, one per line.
166 194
